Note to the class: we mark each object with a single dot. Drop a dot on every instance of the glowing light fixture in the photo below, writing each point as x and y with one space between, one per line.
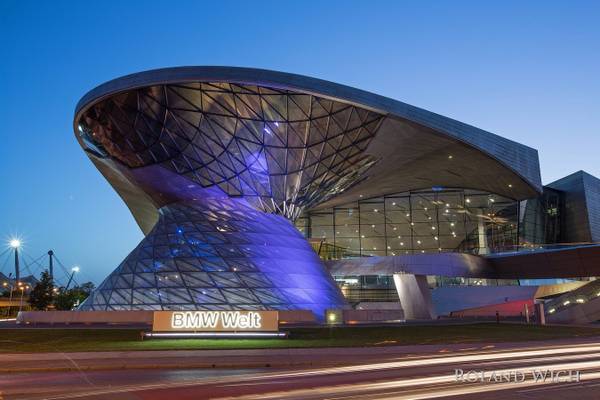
15 243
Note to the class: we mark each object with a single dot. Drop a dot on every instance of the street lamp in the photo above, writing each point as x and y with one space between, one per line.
15 243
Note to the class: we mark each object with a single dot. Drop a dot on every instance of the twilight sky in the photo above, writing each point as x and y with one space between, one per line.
528 71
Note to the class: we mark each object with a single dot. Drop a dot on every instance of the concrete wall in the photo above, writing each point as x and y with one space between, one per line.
455 298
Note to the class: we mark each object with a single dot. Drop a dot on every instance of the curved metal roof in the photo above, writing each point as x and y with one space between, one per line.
380 145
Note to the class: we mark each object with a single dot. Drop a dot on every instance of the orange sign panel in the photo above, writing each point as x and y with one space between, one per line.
216 321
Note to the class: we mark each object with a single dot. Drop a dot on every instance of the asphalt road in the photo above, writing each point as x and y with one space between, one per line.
390 377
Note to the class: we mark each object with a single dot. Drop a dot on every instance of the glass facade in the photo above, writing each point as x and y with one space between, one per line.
540 219
218 254
415 222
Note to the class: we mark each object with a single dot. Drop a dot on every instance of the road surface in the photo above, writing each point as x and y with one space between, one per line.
389 377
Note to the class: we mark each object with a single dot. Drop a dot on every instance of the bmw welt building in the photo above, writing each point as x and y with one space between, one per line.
262 190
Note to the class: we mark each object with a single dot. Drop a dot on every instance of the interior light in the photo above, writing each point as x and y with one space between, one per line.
566 303
468 200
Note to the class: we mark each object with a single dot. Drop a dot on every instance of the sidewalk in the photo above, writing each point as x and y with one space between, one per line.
255 358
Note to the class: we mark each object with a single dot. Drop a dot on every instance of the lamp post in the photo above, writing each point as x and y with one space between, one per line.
22 287
11 286
15 244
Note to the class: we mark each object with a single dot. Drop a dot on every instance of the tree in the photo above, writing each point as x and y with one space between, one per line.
43 292
67 299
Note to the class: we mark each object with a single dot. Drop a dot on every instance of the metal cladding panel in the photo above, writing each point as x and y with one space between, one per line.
522 159
572 262
592 195
582 207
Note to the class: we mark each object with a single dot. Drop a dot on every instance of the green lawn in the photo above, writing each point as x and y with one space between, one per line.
48 340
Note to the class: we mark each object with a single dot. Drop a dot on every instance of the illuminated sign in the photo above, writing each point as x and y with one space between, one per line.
216 321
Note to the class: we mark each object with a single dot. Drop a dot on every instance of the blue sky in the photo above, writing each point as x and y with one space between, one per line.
527 71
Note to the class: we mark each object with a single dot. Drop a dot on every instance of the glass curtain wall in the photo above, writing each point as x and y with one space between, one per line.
414 223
